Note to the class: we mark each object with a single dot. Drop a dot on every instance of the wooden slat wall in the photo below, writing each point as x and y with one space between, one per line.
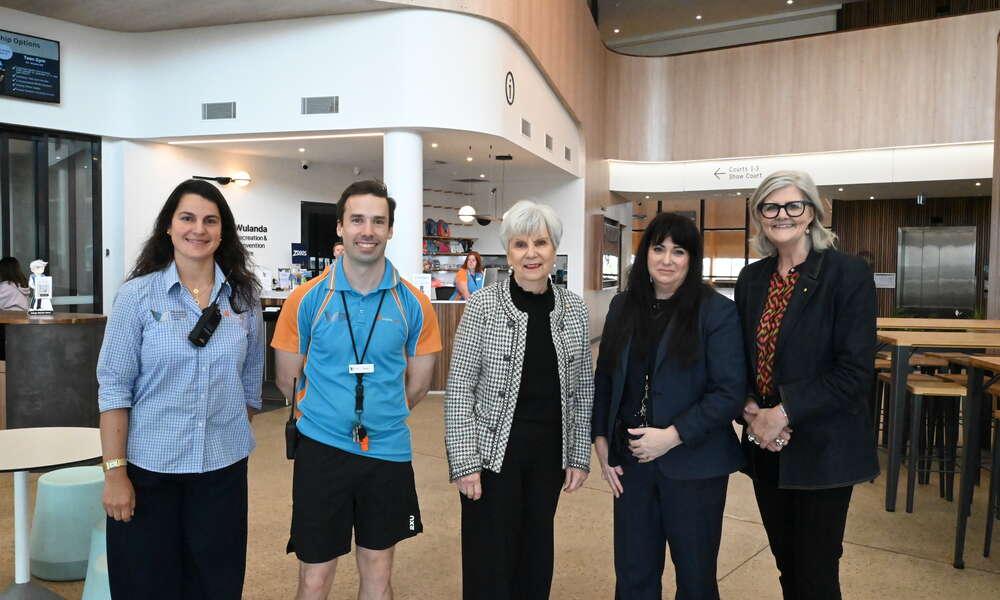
449 315
993 301
929 82
872 226
871 13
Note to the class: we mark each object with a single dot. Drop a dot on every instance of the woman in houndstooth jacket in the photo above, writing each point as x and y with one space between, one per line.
517 413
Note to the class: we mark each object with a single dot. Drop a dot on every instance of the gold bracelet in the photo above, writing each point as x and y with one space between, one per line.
114 463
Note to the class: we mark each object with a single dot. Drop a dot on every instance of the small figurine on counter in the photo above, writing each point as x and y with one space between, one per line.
41 289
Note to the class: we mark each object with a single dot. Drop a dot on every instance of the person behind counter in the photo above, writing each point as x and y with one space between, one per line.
175 417
669 382
13 285
469 278
808 315
519 396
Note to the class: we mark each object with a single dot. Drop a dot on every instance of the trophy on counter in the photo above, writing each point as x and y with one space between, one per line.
41 289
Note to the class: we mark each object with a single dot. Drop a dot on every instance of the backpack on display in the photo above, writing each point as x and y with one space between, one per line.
442 229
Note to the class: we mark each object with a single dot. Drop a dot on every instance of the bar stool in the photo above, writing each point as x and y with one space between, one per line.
881 408
994 497
920 390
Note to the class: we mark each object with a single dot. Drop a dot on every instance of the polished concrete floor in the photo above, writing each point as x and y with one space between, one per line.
886 555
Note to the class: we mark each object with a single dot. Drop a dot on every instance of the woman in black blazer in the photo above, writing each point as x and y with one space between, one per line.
808 314
669 381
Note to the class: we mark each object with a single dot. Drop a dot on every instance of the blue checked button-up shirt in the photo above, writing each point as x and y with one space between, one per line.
187 404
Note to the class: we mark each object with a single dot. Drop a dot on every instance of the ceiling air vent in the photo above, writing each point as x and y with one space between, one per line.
321 105
218 110
526 127
568 153
470 180
548 142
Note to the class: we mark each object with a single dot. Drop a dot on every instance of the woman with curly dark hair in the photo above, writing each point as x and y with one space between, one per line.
176 401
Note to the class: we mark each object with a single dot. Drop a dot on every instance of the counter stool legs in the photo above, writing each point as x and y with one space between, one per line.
991 502
914 458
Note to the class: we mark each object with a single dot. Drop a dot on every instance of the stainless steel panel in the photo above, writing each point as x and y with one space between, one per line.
937 273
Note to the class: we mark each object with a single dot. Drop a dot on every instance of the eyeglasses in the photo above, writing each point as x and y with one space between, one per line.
770 210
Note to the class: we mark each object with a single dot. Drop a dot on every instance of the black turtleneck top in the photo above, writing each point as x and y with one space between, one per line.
539 399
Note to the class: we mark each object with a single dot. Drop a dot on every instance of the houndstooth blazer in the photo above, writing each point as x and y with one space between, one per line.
485 378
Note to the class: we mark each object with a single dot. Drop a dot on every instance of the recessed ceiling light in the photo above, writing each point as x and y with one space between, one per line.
978 184
790 2
468 159
482 175
302 149
871 197
647 197
434 145
840 189
616 30
698 17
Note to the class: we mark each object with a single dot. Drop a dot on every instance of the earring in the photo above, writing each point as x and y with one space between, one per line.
807 231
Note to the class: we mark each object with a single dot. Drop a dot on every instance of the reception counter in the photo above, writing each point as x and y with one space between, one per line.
51 364
449 314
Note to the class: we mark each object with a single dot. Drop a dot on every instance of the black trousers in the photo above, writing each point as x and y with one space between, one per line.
507 535
806 531
187 539
655 511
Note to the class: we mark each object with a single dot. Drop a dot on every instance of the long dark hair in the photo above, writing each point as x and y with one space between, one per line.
684 344
10 270
231 256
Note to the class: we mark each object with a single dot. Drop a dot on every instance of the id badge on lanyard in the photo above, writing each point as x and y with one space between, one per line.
359 368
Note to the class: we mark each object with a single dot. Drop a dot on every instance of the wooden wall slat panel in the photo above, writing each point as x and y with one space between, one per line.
872 226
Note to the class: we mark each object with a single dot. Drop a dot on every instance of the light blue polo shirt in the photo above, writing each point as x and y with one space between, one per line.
313 323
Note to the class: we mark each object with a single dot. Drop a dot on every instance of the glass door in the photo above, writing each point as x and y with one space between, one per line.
50 206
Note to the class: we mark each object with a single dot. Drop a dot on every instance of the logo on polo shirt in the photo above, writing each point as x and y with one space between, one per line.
413 523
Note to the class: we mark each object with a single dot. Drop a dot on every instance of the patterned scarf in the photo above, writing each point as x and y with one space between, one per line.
778 295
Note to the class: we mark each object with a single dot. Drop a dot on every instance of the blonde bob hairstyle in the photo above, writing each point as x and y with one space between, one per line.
526 218
820 237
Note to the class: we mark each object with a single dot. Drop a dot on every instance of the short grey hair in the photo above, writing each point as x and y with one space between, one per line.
821 237
527 217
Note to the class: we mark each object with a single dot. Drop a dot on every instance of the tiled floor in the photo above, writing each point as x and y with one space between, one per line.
886 555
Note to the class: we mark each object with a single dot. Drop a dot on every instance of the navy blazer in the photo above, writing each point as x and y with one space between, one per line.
823 367
700 400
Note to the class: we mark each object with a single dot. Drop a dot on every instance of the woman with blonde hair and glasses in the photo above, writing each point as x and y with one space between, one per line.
808 314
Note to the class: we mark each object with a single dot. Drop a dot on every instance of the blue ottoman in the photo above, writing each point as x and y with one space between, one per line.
67 505
97 586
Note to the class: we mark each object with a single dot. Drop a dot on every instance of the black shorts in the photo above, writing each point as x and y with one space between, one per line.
335 492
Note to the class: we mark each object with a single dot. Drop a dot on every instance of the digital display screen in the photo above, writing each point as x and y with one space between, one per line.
29 67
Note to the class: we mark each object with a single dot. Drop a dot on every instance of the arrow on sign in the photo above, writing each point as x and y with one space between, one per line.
719 172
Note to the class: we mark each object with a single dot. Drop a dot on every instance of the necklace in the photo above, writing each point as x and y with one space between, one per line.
194 292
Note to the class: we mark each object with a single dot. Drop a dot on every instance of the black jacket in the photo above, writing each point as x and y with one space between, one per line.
701 400
823 367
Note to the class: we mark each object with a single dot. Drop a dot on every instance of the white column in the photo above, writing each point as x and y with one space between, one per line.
22 534
403 173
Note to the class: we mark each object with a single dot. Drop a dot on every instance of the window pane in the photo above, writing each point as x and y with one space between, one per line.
23 211
71 227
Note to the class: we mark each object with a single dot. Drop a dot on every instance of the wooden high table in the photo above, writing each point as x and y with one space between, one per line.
23 450
939 324
904 343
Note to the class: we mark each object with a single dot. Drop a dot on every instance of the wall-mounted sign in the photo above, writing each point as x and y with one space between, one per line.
885 281
299 254
254 237
29 67
509 88
739 173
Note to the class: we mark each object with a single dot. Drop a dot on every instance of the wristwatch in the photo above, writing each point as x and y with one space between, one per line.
114 463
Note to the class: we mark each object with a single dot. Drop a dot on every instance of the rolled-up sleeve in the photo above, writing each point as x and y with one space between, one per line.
120 360
253 363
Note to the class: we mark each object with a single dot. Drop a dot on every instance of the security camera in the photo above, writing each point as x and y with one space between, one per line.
356 171
305 165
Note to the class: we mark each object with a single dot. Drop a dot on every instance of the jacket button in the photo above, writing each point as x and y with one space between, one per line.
503 394
570 394
571 358
506 358
510 324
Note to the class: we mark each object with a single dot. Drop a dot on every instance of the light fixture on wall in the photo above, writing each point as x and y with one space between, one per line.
467 214
240 178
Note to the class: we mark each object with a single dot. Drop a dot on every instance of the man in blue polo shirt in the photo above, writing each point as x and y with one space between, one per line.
361 341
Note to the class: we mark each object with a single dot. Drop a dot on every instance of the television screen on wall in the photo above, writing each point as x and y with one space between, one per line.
29 67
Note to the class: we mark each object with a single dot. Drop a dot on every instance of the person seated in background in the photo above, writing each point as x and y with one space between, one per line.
13 285
470 277
338 250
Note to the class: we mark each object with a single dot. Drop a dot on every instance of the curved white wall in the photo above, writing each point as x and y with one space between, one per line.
391 69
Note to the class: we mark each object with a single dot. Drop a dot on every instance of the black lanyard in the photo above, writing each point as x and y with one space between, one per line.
359 389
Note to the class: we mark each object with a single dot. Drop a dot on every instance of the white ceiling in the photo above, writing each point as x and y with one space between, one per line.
453 149
159 15
959 188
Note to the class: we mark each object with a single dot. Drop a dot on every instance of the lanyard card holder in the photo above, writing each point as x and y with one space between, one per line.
291 429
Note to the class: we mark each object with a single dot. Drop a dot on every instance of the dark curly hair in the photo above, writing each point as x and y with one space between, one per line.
231 256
